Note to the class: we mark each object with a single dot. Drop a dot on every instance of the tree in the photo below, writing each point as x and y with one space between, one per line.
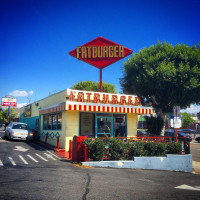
94 86
154 125
164 76
187 120
4 115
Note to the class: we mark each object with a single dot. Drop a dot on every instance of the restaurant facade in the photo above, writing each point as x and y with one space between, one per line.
83 113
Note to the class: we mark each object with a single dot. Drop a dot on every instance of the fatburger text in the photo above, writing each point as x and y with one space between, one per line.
91 97
112 51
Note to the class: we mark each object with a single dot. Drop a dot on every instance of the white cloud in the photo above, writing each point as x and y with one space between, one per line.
192 109
21 105
22 93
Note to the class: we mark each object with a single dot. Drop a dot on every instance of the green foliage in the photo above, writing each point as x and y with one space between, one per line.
154 125
94 86
4 115
173 148
154 149
117 149
164 76
186 120
136 149
95 149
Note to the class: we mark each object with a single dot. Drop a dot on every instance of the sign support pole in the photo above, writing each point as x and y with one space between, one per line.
176 134
9 114
100 80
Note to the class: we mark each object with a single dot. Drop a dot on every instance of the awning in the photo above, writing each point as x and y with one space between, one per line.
92 107
52 109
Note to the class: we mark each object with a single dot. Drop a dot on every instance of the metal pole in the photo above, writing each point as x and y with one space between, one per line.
9 114
176 134
100 80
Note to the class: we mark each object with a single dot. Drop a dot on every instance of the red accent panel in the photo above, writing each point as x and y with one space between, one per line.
99 108
149 111
79 107
74 107
120 110
124 110
84 108
112 109
142 111
89 108
70 107
94 108
103 108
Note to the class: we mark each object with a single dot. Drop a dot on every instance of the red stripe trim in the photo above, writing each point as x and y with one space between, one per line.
124 110
142 111
79 107
149 111
94 108
135 110
74 107
70 107
89 108
112 109
127 110
99 108
108 109
120 109
84 108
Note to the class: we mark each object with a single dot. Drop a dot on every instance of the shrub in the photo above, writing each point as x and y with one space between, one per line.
117 149
154 149
95 149
173 148
135 149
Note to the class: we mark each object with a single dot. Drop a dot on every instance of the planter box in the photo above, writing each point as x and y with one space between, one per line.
169 162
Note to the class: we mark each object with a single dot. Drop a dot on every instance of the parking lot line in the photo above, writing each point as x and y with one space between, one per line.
12 161
32 158
41 157
49 156
25 162
1 164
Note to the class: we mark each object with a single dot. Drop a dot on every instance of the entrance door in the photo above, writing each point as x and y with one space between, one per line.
103 126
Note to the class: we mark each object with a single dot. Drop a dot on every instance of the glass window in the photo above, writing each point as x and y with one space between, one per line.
54 121
45 122
59 121
87 124
104 125
49 122
119 125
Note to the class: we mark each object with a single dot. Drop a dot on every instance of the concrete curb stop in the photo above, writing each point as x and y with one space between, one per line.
169 162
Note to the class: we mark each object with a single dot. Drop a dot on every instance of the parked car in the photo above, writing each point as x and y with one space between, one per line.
142 133
18 131
181 136
187 131
197 139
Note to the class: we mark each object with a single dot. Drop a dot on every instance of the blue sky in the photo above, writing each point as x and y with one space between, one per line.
37 35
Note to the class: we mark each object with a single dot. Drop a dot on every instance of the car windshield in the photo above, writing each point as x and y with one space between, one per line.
20 126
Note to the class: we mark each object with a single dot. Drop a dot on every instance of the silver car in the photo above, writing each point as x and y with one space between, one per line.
19 131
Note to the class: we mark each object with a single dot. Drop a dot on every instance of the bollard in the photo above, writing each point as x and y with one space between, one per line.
58 142
70 149
46 138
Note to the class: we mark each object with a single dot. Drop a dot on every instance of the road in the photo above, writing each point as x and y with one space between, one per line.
30 172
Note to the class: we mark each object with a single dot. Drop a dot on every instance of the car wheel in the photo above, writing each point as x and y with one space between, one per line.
9 137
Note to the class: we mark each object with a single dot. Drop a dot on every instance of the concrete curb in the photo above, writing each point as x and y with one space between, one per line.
169 162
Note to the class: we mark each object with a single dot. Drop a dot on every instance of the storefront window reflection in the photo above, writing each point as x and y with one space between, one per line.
52 121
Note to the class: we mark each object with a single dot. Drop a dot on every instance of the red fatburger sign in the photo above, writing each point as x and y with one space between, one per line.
100 52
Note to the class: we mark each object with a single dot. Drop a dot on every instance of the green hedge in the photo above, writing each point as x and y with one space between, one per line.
118 150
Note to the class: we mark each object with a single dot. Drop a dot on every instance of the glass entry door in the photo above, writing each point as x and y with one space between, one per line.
103 126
